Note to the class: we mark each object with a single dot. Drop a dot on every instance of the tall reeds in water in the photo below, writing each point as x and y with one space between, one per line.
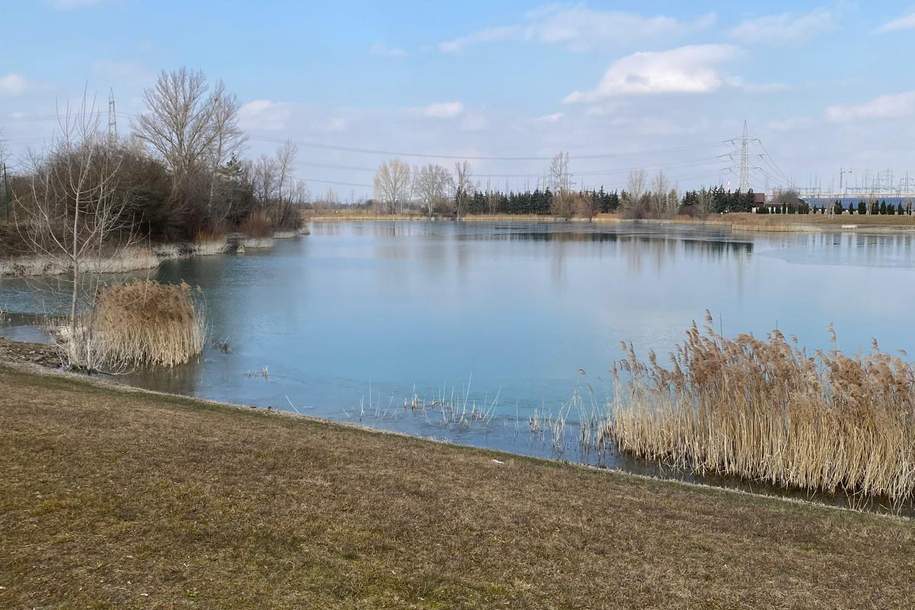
147 323
766 410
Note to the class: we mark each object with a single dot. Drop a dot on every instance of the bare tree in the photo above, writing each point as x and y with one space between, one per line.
72 214
285 160
560 178
5 203
227 142
265 179
664 199
283 204
561 186
180 121
432 185
631 199
393 185
463 187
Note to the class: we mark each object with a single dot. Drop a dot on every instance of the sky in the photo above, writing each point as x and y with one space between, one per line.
656 85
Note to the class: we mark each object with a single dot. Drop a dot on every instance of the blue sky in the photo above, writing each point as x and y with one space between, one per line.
636 84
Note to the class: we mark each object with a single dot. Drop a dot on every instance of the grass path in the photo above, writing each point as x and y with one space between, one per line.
122 499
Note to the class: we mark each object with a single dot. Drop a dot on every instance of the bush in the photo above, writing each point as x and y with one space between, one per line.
147 323
765 410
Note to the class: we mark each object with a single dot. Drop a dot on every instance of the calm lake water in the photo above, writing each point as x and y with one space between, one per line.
357 320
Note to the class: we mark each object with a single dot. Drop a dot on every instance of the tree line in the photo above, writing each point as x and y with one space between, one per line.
434 190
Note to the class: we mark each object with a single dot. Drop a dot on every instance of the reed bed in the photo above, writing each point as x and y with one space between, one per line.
766 410
147 323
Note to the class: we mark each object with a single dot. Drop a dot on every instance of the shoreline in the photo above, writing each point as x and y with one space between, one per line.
755 223
44 360
125 480
141 258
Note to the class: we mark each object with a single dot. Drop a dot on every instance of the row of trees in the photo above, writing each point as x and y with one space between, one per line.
875 208
431 188
434 190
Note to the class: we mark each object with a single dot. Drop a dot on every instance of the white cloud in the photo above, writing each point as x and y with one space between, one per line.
264 115
906 22
689 69
550 118
12 84
784 28
580 28
382 50
443 110
894 106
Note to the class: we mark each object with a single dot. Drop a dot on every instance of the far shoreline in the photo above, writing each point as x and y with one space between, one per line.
737 222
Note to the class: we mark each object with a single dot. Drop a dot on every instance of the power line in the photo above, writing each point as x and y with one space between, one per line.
454 157
425 155
337 182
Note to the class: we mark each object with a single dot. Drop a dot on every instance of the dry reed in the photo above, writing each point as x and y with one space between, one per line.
147 323
766 410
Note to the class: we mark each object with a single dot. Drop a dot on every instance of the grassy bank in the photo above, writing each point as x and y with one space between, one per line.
343 215
116 498
777 223
815 222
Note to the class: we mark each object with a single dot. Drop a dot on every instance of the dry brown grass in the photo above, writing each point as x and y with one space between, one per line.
147 323
257 225
768 411
807 222
126 500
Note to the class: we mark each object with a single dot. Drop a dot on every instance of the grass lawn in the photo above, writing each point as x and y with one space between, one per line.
122 499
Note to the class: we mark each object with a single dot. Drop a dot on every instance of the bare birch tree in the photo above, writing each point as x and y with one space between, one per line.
463 187
72 214
432 185
561 186
393 185
631 200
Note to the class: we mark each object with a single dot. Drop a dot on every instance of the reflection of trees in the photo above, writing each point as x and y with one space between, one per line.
853 248
658 247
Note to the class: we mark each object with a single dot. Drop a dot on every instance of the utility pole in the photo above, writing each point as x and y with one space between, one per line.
5 199
112 120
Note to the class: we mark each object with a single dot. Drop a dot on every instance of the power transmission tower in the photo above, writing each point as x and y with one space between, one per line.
745 159
742 157
112 120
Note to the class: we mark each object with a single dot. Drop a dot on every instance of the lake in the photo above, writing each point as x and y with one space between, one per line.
466 332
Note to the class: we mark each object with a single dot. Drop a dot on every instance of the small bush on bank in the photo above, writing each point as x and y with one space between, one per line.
147 323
